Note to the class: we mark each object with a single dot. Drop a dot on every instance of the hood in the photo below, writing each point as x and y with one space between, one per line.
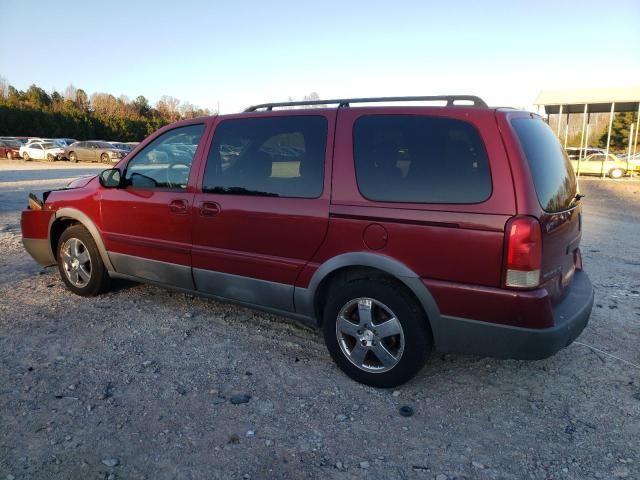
81 182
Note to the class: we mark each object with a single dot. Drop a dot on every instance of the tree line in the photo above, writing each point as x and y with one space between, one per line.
75 114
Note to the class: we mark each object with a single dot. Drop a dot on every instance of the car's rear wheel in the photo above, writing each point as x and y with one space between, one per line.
72 157
25 157
104 158
616 173
9 156
80 264
376 331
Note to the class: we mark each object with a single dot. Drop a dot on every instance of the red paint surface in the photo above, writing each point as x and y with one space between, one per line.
458 250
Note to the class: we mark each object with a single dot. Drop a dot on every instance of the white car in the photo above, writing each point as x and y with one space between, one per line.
37 140
42 151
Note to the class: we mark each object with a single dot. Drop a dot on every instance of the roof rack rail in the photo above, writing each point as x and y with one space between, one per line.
345 102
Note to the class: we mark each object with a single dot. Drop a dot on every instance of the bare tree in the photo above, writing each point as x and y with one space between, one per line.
70 93
168 107
4 88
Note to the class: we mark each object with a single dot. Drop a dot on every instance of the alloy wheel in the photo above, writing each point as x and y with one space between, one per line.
370 335
76 262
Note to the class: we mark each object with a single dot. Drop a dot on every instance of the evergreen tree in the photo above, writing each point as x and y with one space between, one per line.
619 132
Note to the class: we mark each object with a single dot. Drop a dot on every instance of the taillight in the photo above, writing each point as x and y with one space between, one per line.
524 253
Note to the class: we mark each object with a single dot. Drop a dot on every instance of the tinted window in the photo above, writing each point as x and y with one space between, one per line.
276 156
552 173
165 162
420 159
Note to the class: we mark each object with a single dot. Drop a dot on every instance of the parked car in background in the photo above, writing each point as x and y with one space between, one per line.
65 142
396 230
93 151
42 151
593 165
574 152
20 140
37 139
122 146
9 149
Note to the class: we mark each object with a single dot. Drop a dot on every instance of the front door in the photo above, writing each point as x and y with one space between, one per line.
37 152
263 209
147 222
81 152
90 153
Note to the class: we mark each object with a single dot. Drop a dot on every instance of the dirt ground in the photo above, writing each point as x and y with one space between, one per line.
145 383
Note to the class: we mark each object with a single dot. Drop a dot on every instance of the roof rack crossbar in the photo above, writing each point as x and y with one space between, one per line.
345 102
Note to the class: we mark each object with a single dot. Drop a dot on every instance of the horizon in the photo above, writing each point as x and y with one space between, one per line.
505 53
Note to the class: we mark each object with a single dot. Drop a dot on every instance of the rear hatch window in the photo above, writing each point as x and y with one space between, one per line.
556 187
553 176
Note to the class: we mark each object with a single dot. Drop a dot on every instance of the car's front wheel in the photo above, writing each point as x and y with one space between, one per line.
376 331
73 158
105 158
9 155
80 264
50 157
25 156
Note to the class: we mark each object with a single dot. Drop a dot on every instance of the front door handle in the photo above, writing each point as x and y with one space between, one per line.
179 206
209 209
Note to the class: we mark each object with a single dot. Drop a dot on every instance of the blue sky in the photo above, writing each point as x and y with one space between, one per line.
243 52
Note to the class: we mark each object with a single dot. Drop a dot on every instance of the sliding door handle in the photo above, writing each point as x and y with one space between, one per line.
209 209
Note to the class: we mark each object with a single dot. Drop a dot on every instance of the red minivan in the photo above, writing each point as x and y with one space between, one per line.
398 230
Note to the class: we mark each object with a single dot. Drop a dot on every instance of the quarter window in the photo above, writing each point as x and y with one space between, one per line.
420 159
165 162
275 156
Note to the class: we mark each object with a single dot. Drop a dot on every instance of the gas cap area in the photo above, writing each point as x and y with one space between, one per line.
375 236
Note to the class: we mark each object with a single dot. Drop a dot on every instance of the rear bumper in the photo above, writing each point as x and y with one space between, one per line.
570 317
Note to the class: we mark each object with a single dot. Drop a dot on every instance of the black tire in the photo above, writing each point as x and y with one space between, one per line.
72 157
25 157
99 280
415 327
104 158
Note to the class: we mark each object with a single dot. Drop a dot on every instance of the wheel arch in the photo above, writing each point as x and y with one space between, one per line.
70 216
309 301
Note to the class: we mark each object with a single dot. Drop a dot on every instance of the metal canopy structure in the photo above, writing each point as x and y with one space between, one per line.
599 100
593 100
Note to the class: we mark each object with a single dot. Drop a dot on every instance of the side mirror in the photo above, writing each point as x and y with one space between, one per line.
110 178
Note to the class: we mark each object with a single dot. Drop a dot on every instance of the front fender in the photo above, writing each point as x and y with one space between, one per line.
83 218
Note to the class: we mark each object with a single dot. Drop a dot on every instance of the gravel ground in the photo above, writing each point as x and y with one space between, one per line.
148 383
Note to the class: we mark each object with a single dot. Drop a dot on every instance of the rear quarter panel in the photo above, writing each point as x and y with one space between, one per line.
456 243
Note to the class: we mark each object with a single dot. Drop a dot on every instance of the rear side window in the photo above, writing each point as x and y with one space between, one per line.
553 176
420 159
274 157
